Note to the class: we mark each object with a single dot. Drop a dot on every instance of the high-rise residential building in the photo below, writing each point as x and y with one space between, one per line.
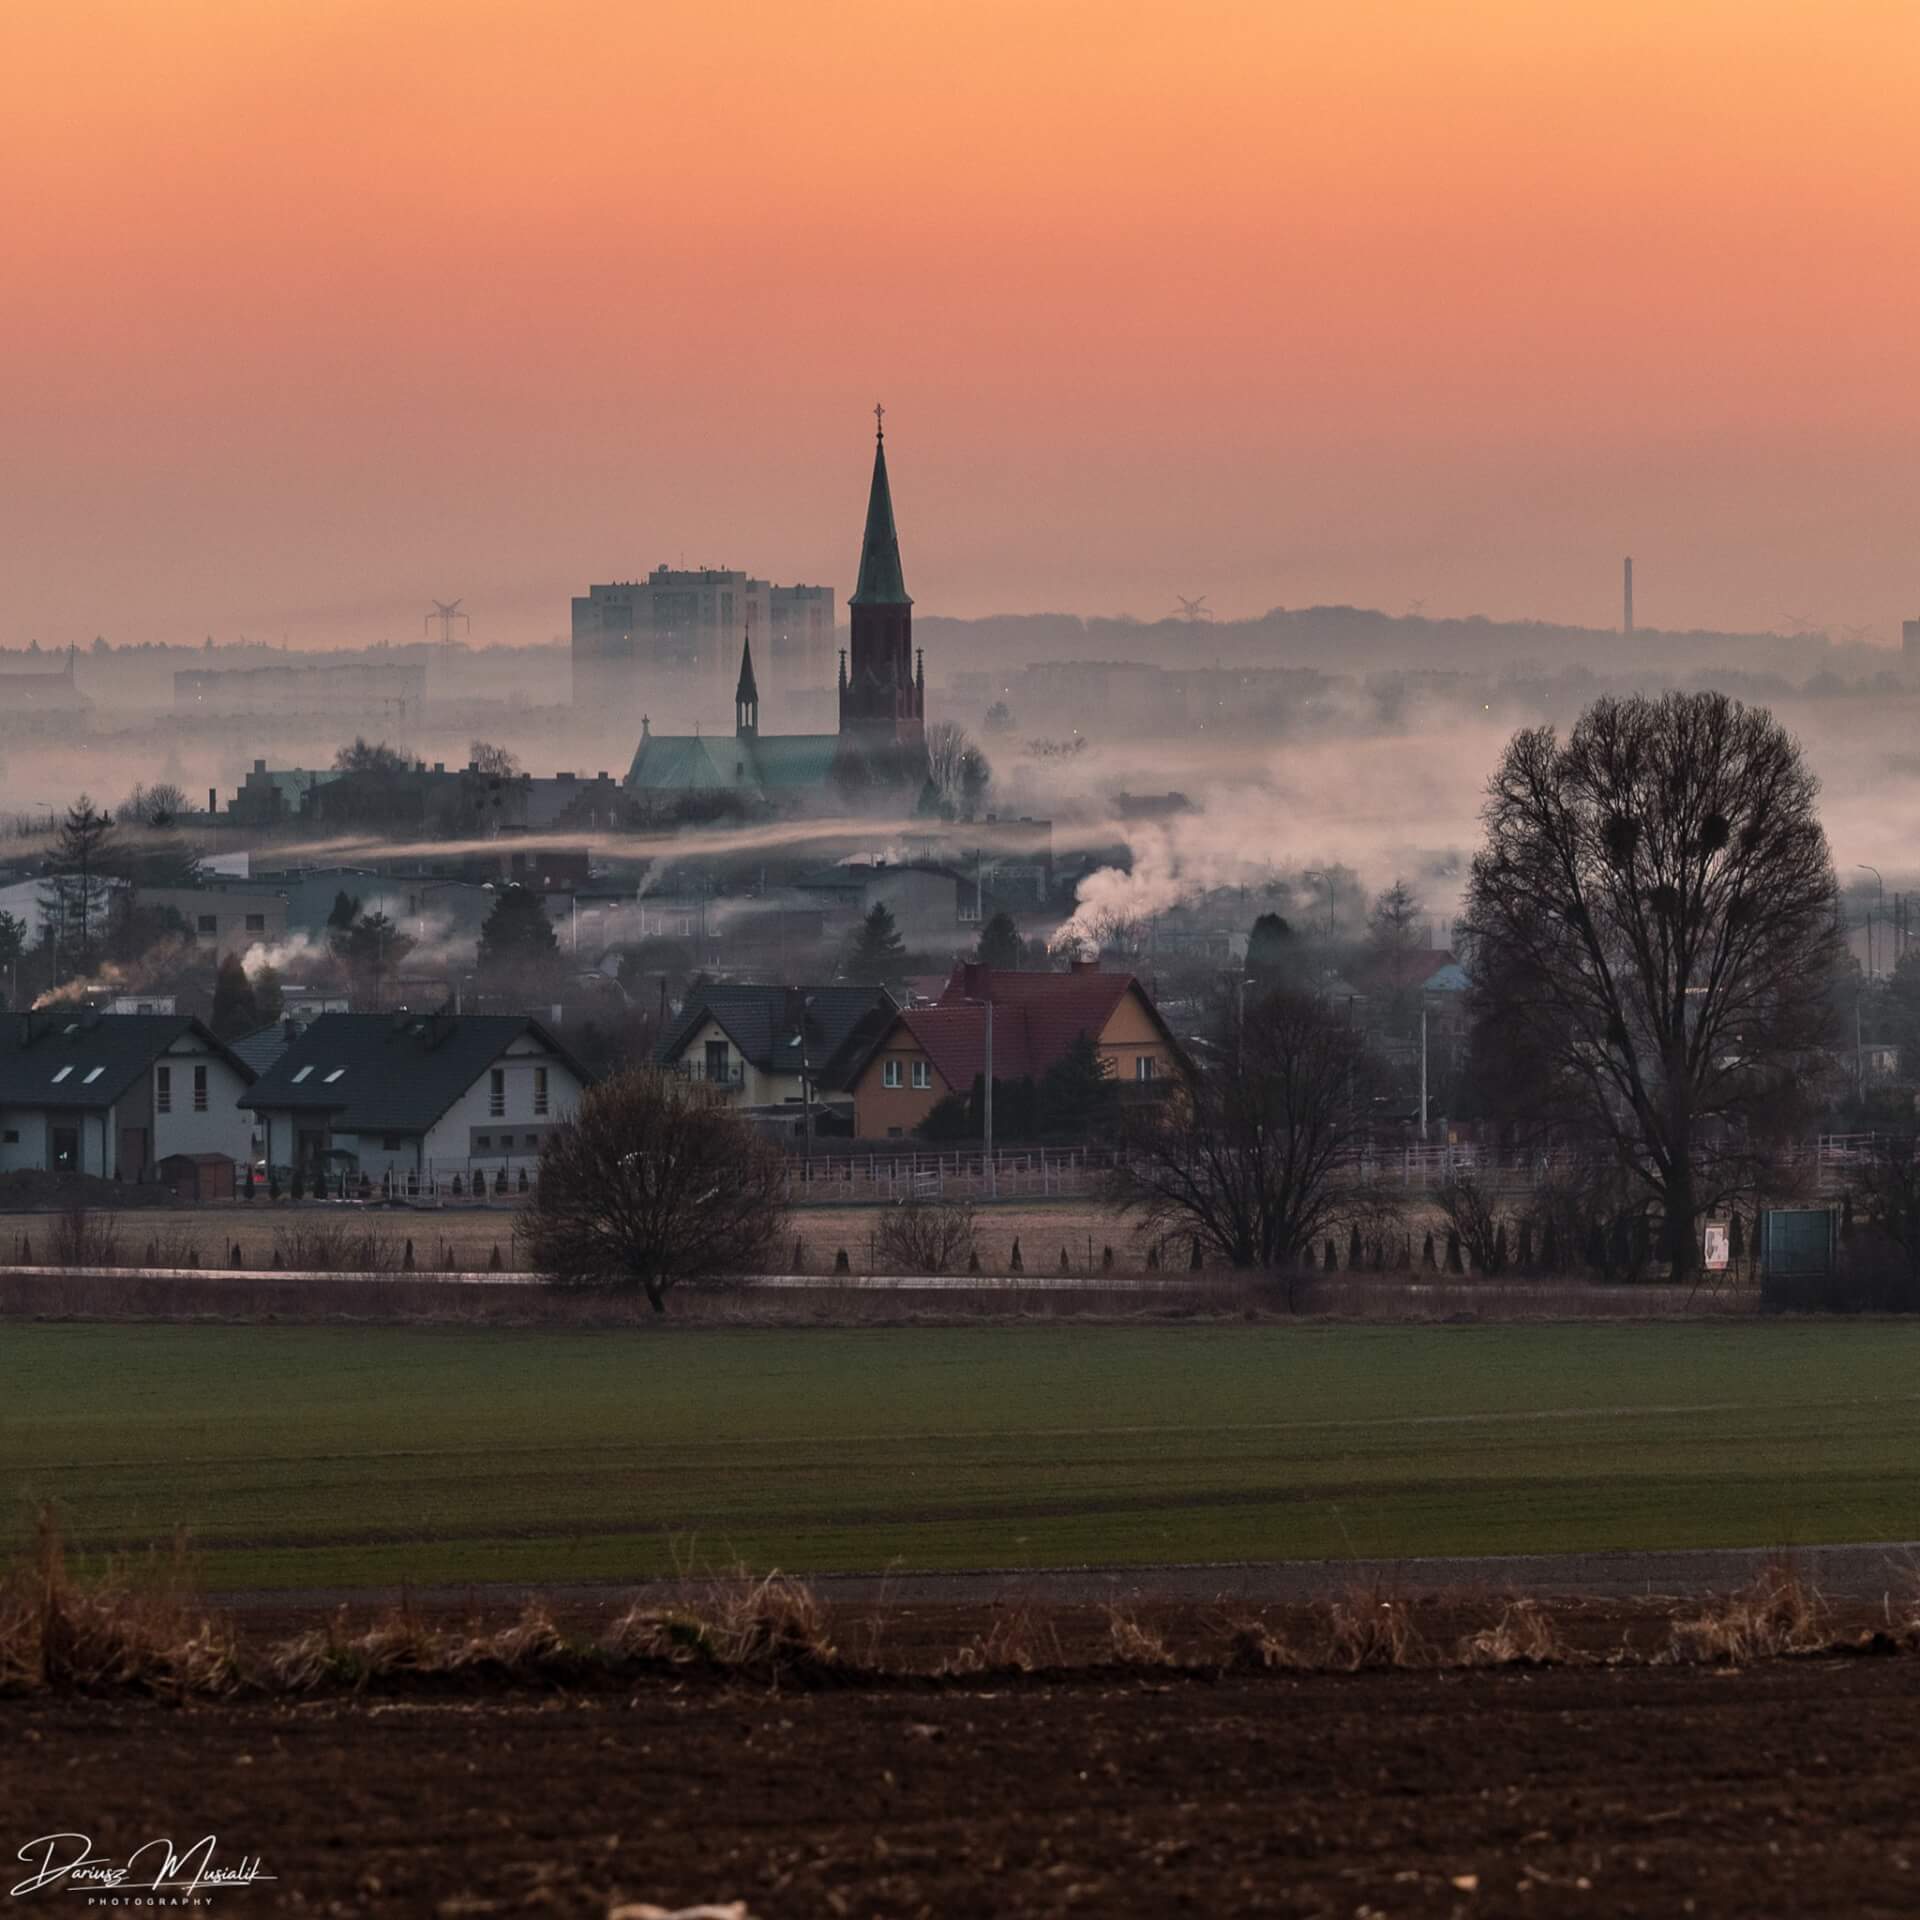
675 636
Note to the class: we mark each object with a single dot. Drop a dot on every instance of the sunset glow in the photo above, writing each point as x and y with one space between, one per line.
311 311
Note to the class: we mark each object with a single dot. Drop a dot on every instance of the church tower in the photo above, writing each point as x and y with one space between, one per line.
882 701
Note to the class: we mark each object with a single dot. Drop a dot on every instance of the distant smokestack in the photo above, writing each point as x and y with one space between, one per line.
1626 621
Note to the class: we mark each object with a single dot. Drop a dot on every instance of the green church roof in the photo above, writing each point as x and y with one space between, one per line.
881 583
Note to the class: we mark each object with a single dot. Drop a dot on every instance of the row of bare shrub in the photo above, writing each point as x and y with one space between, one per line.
140 1631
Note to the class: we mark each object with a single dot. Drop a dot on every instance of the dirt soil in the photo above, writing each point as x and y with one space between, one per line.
1786 1788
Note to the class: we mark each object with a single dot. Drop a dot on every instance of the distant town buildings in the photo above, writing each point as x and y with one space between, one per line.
43 701
355 692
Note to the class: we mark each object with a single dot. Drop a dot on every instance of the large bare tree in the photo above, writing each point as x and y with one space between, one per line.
1254 1156
1653 930
654 1181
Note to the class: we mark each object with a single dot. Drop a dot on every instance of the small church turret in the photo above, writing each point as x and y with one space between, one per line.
746 695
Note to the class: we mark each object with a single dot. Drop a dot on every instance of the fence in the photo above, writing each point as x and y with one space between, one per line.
1045 1173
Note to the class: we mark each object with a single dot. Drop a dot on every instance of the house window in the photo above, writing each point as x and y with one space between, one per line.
256 923
1143 1067
890 1076
497 1093
91 1075
483 1142
208 923
61 1075
716 1059
922 1073
390 1143
533 1139
163 1089
301 1075
333 1076
539 1090
11 1137
199 1089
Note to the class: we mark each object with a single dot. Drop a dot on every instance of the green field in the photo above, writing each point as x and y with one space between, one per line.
304 1456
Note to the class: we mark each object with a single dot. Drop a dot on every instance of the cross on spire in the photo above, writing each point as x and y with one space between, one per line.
879 421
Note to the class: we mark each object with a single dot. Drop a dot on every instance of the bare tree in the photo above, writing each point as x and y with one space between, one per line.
956 766
484 757
654 1181
925 1236
1471 1211
1890 1197
1255 1157
1652 927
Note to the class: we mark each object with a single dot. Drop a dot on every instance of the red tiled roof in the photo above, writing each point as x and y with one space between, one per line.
1036 1017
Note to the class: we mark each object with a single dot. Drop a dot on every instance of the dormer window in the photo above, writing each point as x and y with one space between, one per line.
333 1076
61 1075
91 1075
301 1075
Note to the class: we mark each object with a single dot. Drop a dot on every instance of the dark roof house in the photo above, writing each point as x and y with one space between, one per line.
376 1073
69 1057
765 1024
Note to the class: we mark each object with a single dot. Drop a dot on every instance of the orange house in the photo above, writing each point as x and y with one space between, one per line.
926 1053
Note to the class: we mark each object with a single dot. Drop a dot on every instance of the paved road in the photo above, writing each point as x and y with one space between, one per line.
1861 1572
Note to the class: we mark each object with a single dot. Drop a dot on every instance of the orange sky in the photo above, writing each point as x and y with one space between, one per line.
311 311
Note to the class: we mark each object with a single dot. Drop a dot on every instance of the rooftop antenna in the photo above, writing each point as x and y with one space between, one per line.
1626 601
446 612
1195 609
1416 609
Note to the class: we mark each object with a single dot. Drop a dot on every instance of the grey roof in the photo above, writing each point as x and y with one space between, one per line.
98 1057
392 1073
762 1023
732 762
262 1048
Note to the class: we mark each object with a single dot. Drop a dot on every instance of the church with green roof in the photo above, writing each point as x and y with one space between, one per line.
878 758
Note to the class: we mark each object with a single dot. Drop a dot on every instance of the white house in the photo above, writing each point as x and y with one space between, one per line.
115 1094
427 1095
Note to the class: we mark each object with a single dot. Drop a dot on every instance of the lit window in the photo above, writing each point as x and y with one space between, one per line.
61 1075
91 1075
922 1073
199 1089
890 1074
301 1075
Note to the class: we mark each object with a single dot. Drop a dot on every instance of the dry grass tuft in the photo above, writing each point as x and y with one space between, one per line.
1370 1629
1523 1636
1018 1642
770 1626
131 1631
1253 1647
1778 1614
1135 1644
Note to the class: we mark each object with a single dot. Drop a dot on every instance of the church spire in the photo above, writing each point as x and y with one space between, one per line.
746 695
881 583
